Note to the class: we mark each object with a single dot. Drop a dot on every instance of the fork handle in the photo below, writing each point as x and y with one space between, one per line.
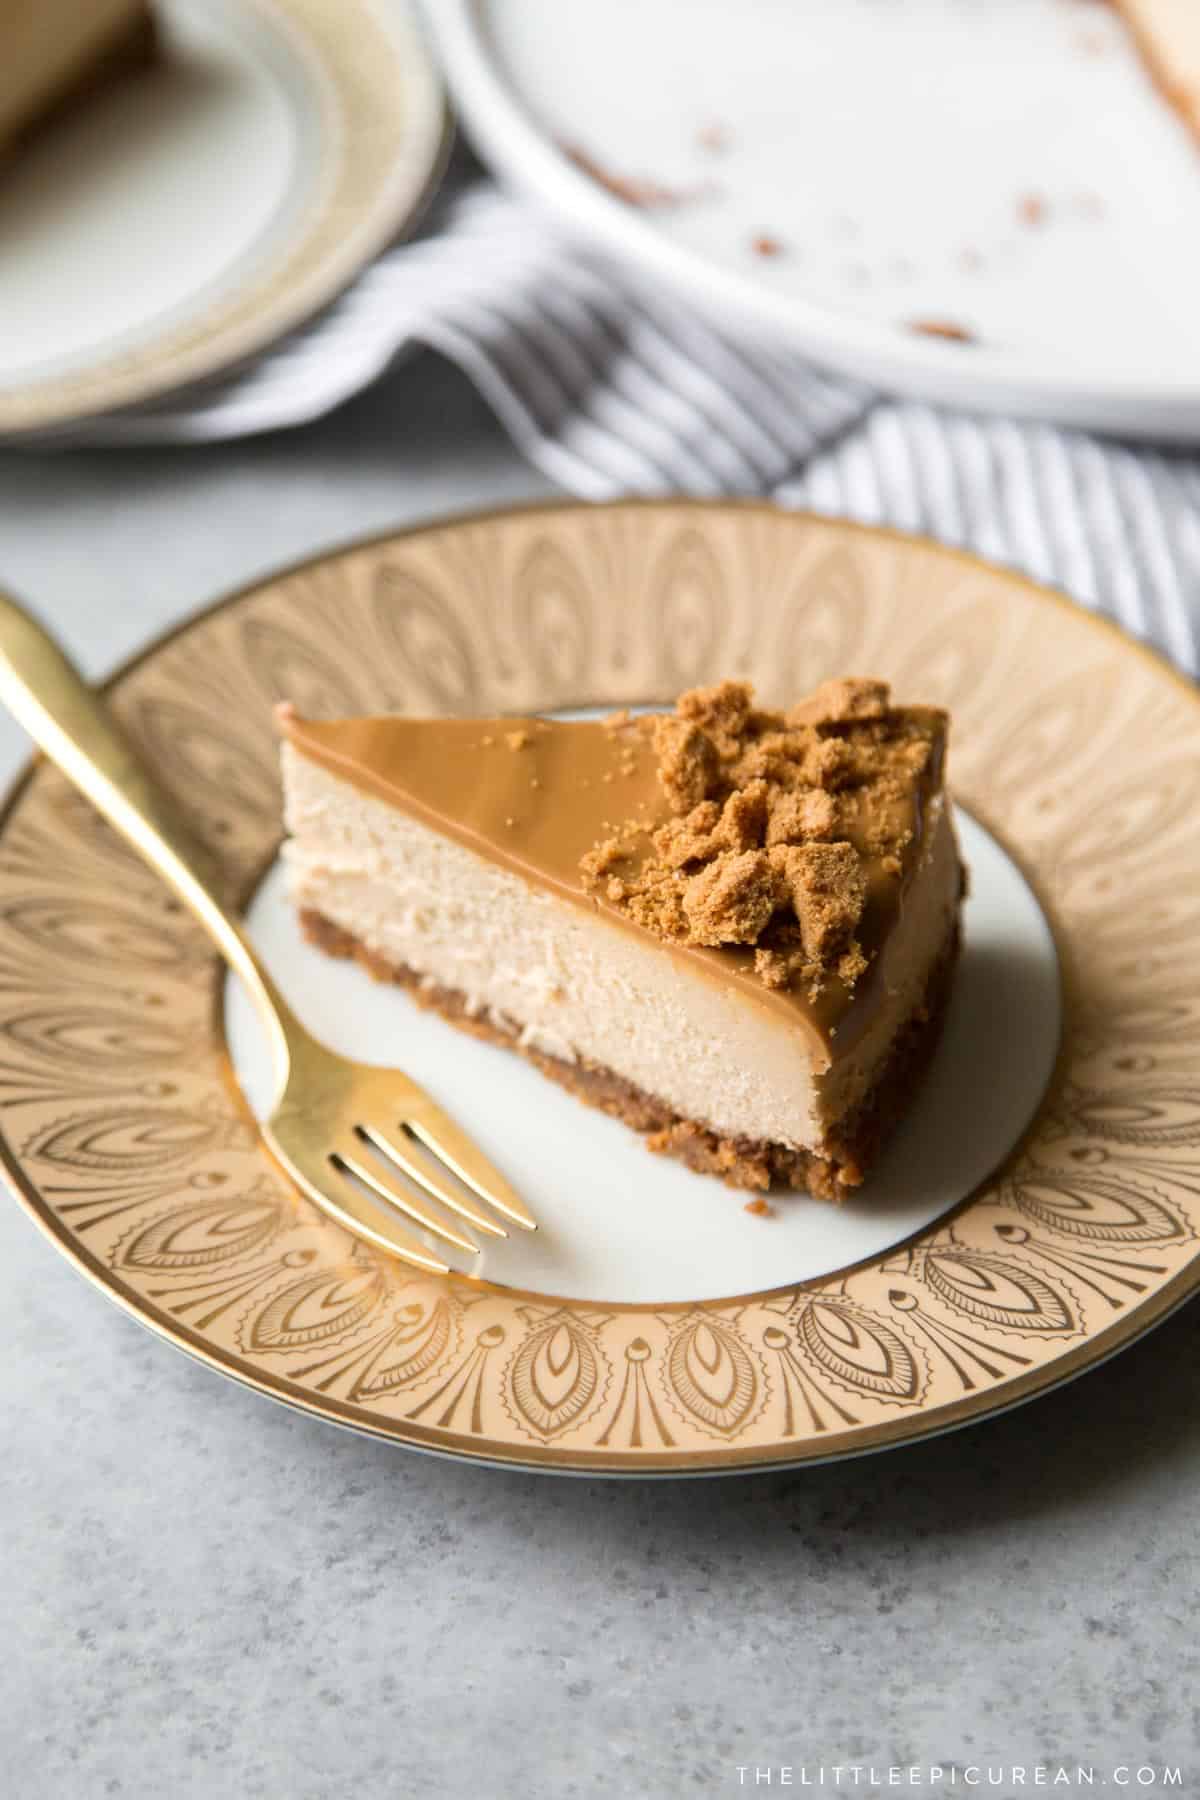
73 725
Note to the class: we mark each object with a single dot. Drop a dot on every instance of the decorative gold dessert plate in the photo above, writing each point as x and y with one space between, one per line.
125 1136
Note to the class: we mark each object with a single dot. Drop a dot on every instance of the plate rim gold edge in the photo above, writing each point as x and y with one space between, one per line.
1142 1318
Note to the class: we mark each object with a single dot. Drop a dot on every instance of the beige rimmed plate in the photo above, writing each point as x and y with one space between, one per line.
190 214
1076 753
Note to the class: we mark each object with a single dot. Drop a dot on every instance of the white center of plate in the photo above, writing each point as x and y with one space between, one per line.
620 1224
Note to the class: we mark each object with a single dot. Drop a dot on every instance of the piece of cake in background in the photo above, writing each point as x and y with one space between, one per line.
1167 33
55 53
734 929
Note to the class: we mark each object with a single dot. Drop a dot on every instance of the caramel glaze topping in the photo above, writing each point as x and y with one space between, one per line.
771 851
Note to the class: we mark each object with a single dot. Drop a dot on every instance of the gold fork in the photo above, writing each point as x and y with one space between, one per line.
337 1127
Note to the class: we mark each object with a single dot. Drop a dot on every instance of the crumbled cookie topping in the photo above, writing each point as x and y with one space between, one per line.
688 765
731 899
779 824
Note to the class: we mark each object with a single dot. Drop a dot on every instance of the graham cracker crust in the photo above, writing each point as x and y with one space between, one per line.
754 1164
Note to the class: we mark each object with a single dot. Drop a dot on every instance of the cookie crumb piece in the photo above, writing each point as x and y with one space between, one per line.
722 712
828 891
832 764
731 900
943 328
783 968
836 702
800 815
635 190
761 1209
687 762
743 822
601 861
691 839
852 965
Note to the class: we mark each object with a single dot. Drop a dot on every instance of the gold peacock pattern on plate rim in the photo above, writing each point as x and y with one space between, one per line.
122 1131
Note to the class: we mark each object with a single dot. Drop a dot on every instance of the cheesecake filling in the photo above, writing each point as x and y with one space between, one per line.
580 984
732 926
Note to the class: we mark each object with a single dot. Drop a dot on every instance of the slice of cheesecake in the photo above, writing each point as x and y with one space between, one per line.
55 51
734 929
1167 33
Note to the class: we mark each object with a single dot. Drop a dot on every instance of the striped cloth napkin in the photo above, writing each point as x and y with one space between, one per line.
612 389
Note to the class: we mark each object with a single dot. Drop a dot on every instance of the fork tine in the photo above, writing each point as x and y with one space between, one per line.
365 1221
419 1170
405 1203
444 1139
